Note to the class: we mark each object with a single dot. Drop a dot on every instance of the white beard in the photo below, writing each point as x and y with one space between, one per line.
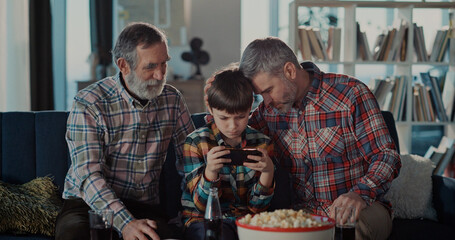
149 89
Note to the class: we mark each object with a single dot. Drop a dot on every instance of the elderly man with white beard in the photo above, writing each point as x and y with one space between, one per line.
118 134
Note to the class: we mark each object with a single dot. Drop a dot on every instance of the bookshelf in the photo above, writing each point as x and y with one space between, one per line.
349 62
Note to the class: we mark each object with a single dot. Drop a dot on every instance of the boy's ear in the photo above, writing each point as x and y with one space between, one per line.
290 71
210 109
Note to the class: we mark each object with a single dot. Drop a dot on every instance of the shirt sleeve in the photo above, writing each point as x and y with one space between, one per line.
375 143
85 134
194 166
184 127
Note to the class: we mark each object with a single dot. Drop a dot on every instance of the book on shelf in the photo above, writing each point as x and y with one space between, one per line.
425 99
402 99
419 44
363 48
435 94
390 93
395 97
377 45
435 154
305 48
418 113
388 48
448 94
437 43
383 92
404 45
440 44
398 41
445 44
388 38
316 50
334 44
447 145
322 46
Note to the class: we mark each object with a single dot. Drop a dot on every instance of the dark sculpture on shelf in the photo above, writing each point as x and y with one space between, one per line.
197 56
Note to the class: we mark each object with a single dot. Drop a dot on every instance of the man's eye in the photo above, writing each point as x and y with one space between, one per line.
151 66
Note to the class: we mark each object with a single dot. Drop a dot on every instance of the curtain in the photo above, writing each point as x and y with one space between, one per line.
101 36
41 77
14 56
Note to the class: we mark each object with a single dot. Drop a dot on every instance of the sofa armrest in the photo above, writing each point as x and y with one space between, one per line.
444 199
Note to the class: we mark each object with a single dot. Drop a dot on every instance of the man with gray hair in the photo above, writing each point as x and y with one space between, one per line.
118 133
329 134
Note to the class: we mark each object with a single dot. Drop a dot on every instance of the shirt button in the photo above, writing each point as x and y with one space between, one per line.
306 161
143 136
300 112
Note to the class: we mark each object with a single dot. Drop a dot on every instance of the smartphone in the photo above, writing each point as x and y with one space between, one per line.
239 156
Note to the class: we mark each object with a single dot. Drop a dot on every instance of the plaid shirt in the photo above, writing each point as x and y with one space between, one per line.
118 146
238 186
336 141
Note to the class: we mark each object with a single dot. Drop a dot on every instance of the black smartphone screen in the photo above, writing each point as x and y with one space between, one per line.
238 156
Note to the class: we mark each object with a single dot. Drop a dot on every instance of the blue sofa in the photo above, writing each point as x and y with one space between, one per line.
32 144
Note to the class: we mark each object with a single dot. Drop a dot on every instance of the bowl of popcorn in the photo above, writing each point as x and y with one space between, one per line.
285 224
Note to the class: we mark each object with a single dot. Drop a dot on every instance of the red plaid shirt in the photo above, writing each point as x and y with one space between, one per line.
335 142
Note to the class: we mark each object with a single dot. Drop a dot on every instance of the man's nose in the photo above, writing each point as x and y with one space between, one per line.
267 99
159 74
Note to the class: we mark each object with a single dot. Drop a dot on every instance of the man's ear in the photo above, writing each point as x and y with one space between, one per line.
290 71
123 66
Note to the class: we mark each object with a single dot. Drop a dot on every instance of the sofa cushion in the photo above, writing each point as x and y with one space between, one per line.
51 149
29 208
18 147
411 192
444 199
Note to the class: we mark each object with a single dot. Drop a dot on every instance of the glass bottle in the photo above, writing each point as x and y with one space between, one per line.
213 218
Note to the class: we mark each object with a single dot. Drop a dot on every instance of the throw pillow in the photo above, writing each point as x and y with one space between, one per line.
29 208
411 192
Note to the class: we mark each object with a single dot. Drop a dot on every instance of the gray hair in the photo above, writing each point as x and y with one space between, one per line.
133 35
266 55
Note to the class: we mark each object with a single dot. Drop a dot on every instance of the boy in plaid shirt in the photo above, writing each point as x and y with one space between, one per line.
243 189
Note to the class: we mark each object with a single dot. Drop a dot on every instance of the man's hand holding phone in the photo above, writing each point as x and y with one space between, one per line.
215 161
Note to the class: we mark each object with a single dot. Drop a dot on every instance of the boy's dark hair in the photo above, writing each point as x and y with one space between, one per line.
231 91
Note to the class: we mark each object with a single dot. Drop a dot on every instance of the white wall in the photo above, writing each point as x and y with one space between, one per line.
217 23
14 56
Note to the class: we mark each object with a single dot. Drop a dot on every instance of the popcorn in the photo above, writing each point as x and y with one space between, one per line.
282 218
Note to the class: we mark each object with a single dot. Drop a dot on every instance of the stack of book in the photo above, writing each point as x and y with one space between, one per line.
439 48
443 157
312 47
391 45
390 93
430 104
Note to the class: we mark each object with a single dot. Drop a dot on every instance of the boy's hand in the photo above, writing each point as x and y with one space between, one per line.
264 165
215 162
